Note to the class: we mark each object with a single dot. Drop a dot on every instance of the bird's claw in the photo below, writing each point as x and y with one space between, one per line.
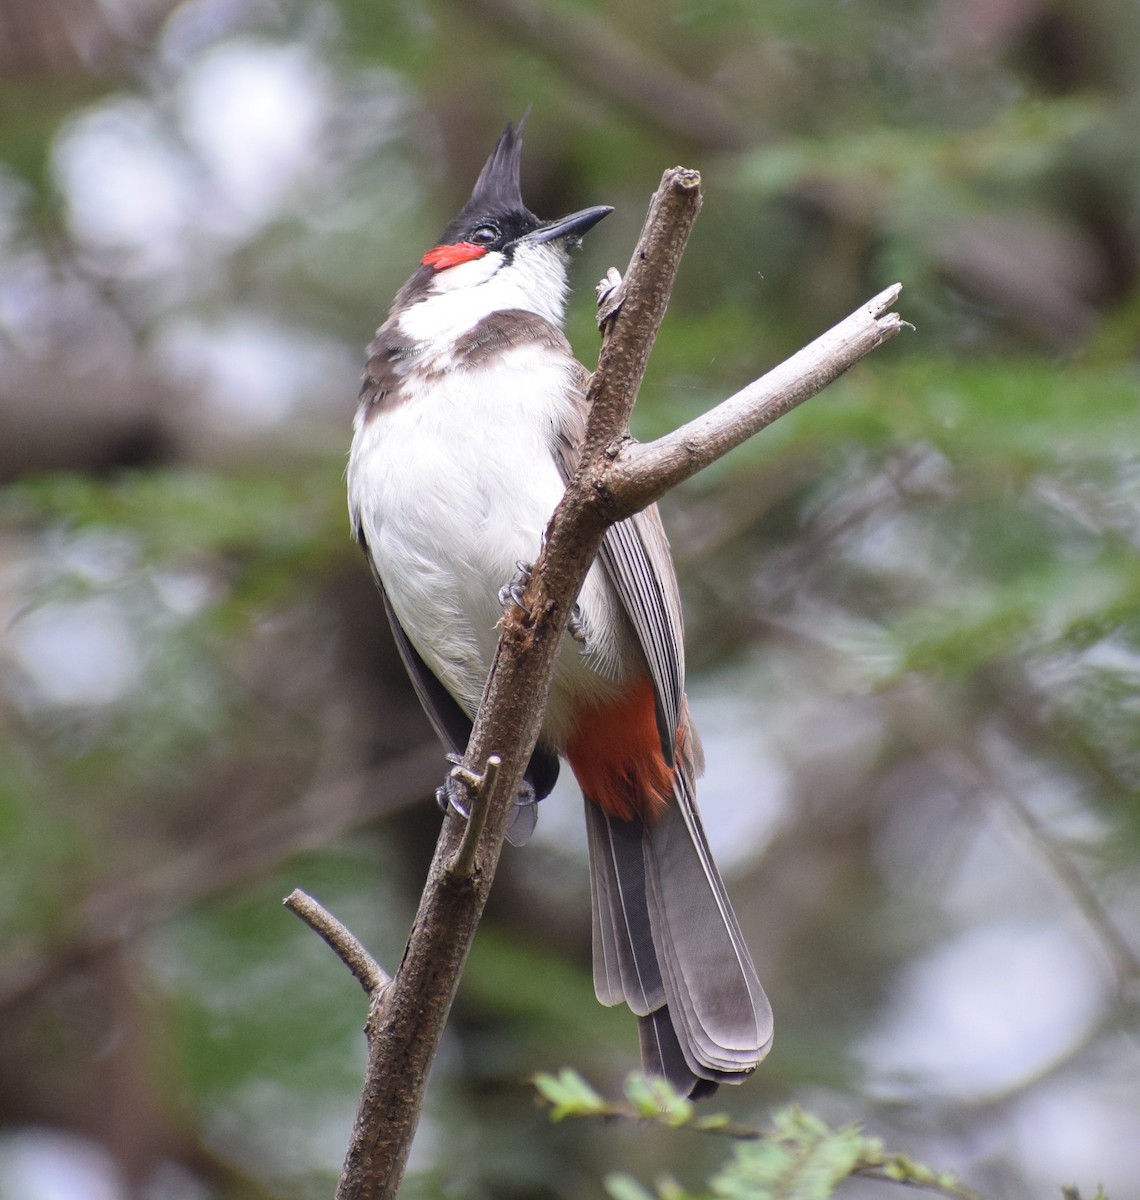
607 285
515 591
610 293
576 628
447 795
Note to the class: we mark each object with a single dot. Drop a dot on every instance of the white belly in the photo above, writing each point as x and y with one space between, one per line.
452 488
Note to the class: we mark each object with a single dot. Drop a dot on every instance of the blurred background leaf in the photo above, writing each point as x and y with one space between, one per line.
913 606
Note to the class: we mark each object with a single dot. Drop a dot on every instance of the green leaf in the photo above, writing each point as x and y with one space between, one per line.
624 1187
655 1098
801 1159
569 1095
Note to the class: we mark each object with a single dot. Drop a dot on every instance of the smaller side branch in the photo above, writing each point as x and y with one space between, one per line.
368 972
643 472
463 865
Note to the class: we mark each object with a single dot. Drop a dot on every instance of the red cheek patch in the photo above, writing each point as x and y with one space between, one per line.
442 257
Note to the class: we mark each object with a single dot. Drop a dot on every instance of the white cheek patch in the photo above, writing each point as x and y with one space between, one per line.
461 296
467 275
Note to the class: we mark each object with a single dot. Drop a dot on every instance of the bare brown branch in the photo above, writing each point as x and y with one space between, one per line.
366 970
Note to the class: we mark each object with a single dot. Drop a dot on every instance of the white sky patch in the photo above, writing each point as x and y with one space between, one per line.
1084 1131
98 556
127 188
195 25
743 794
253 113
249 121
46 1164
80 653
183 593
252 371
984 1012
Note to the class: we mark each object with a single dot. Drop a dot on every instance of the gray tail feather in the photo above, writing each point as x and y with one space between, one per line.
667 943
625 961
661 1054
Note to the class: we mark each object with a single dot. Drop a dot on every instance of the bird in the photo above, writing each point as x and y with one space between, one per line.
471 417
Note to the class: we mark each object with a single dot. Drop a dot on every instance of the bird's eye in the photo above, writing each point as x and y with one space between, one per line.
484 235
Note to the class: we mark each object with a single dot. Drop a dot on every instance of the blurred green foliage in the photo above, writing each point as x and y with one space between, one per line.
799 1158
920 591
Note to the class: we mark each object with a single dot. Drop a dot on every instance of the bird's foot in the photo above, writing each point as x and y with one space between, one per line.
610 293
576 628
515 591
447 796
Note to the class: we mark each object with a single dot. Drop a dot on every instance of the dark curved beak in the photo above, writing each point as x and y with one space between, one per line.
570 228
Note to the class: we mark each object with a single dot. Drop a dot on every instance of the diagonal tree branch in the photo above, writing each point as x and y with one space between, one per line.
615 477
610 63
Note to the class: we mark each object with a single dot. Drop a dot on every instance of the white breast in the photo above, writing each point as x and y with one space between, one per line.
452 487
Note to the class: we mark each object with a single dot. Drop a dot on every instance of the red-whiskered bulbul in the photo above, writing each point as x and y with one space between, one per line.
471 415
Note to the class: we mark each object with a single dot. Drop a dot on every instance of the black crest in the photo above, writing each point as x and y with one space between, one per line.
497 187
497 191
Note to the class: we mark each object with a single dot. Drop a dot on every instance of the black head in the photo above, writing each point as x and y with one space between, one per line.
495 217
